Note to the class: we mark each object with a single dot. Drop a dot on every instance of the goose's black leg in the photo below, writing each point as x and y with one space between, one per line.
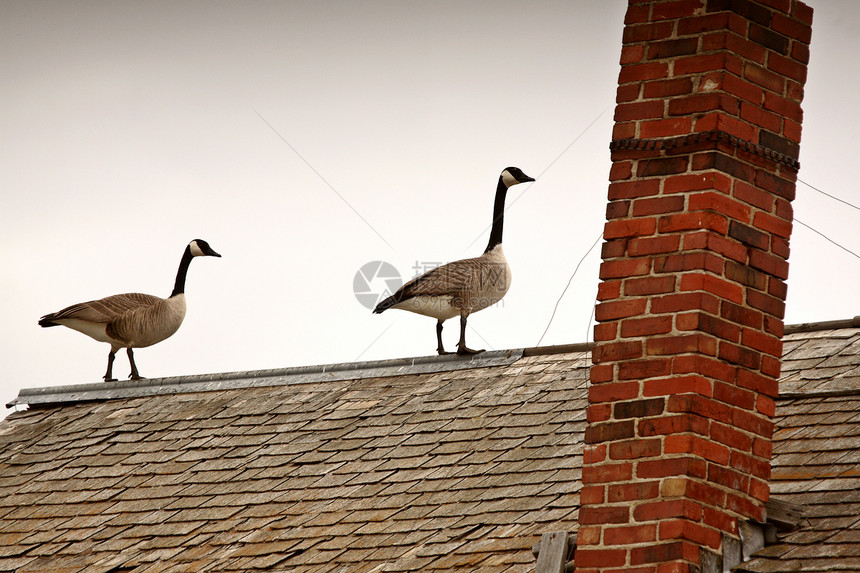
134 374
109 374
461 346
439 347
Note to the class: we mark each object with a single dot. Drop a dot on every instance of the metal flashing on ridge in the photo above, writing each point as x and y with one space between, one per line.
256 378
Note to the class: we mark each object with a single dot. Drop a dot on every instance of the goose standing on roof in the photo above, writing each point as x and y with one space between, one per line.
465 286
132 320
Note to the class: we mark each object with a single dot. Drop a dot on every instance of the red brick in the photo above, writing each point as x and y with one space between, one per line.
598 413
609 290
761 117
632 189
640 369
717 243
640 246
776 225
703 102
753 195
612 392
713 284
734 395
765 405
679 550
594 455
603 473
768 304
743 89
708 62
630 534
647 32
712 201
757 383
703 406
677 385
640 72
729 478
634 491
648 286
638 408
616 210
710 325
657 206
608 431
614 310
775 184
614 248
720 520
673 425
685 301
687 261
755 423
739 355
759 490
787 67
682 344
631 54
770 366
675 9
764 78
624 268
761 341
665 127
783 106
697 182
684 529
741 314
750 50
634 449
762 448
771 264
629 228
749 236
666 509
696 445
605 331
599 558
745 275
602 373
732 125
662 166
705 492
644 327
692 221
620 170
745 506
704 365
730 436
623 350
591 495
666 88
750 465
684 466
640 110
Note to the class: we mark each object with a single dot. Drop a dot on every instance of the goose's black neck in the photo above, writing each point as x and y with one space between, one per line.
498 216
179 286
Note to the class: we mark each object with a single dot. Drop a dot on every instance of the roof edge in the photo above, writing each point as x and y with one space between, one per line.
274 377
825 325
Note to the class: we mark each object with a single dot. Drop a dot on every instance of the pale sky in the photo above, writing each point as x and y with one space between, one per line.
306 139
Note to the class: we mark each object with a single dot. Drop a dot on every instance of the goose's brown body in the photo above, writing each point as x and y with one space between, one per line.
131 320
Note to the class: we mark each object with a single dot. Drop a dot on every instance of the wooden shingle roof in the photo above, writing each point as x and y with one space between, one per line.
461 469
432 464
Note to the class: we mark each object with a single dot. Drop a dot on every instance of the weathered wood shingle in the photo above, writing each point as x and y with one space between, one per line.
444 470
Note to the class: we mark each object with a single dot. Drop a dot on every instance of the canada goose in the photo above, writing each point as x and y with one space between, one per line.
132 320
465 286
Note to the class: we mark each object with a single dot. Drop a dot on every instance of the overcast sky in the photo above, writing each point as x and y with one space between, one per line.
306 139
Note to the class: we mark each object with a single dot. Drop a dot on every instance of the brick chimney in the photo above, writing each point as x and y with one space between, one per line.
692 294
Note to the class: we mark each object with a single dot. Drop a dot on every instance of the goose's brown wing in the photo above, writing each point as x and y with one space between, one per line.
103 310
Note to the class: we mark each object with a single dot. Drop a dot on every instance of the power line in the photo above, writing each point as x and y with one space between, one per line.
835 198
